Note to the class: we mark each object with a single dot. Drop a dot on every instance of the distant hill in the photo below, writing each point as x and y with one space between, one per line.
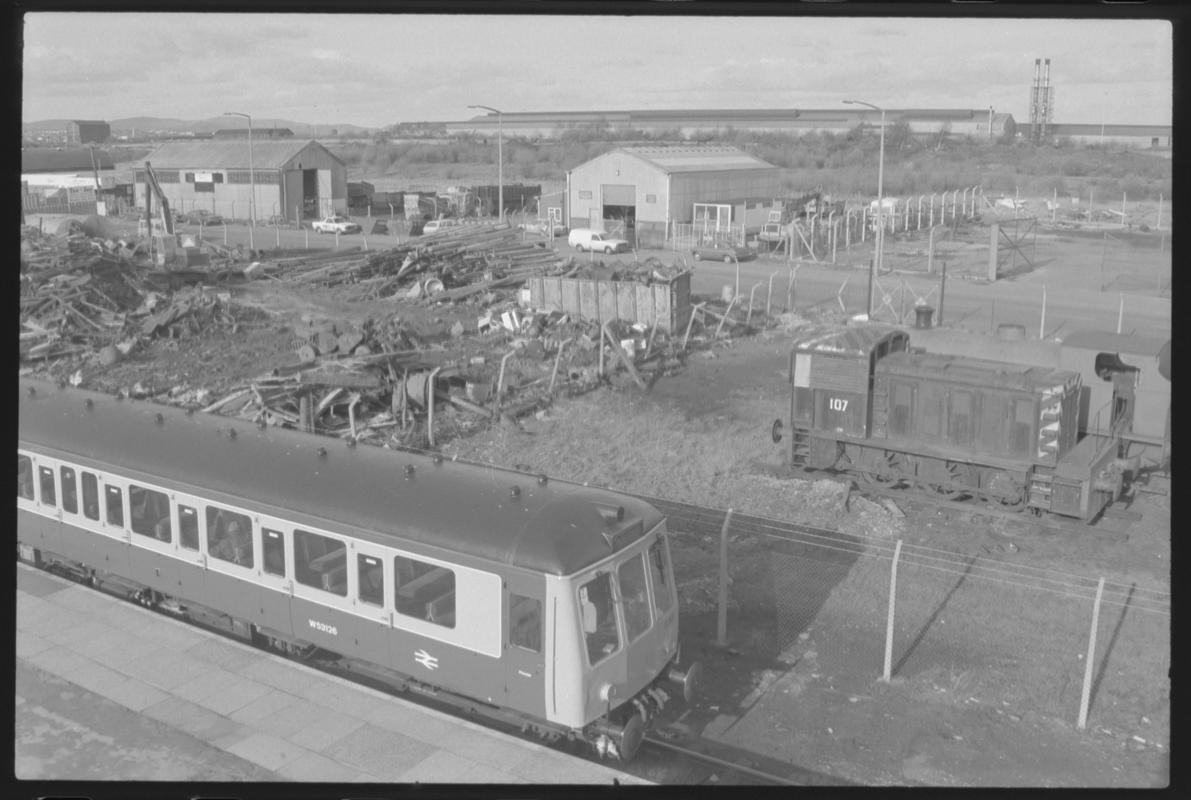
166 124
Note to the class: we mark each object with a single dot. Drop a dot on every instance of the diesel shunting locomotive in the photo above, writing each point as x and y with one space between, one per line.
864 403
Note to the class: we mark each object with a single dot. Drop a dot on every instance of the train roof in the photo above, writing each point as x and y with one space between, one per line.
852 340
1106 341
977 371
555 528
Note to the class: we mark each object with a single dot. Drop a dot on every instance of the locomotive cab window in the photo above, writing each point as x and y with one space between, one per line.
425 591
150 512
320 562
24 477
47 486
70 492
229 536
598 616
188 527
90 496
525 622
634 597
273 544
371 574
114 501
663 597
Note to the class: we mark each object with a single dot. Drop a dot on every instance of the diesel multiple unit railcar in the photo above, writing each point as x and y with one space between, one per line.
864 403
539 602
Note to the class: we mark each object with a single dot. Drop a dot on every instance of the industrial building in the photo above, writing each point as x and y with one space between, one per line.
677 123
259 134
293 179
648 189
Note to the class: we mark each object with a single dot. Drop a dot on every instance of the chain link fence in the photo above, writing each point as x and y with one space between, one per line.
976 628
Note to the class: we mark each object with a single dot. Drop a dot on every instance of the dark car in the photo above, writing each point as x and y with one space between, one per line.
203 217
722 251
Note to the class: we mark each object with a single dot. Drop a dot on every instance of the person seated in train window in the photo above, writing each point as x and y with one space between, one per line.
236 540
161 530
92 510
222 547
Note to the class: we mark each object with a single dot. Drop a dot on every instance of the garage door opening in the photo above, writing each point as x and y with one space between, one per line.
621 221
309 193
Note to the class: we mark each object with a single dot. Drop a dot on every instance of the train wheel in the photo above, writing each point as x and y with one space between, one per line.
946 491
877 481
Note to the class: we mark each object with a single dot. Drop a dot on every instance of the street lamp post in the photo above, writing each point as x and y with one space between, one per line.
876 264
251 178
500 160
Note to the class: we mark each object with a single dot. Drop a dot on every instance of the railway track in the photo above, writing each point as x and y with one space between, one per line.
707 762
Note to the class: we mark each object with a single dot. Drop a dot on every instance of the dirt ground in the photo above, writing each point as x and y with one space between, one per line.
799 678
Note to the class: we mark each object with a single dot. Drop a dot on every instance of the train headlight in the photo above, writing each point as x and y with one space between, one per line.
607 693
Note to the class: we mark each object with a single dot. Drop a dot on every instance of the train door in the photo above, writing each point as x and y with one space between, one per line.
524 644
373 621
151 557
274 574
191 547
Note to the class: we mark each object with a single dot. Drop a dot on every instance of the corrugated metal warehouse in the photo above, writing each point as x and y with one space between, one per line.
649 188
294 180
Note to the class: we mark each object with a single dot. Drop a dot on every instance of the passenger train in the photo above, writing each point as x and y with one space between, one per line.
533 601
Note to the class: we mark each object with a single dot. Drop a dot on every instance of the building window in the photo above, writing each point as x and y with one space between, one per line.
585 194
651 198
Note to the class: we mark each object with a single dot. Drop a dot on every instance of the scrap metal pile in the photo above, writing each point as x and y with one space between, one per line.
82 293
450 265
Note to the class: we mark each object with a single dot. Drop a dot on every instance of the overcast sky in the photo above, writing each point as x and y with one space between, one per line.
376 70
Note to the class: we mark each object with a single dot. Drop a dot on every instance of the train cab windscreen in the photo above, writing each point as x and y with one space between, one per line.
659 561
598 612
634 596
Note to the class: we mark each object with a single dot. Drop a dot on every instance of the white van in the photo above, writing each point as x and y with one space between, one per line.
586 239
436 225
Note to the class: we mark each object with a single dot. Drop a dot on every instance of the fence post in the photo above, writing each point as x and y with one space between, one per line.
721 630
1121 312
769 294
1087 667
1042 324
897 552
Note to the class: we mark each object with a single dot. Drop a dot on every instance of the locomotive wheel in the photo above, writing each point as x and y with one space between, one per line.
873 479
946 491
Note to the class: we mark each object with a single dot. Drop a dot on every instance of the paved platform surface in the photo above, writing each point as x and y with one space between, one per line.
109 691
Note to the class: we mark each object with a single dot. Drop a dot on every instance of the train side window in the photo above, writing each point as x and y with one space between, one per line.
47 486
371 574
1022 431
425 591
273 543
229 536
70 492
90 496
150 512
901 408
320 562
634 597
960 428
24 477
114 497
663 598
525 622
188 527
598 616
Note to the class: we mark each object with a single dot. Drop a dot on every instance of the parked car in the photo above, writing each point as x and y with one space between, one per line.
586 239
437 225
722 251
203 217
335 224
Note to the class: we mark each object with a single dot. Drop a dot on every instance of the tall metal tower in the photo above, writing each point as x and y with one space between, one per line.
1041 101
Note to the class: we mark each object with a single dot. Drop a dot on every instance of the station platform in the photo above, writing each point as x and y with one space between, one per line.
287 721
